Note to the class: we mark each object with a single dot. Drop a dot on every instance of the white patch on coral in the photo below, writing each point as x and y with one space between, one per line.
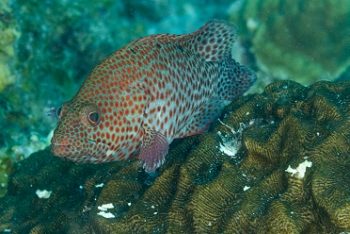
300 170
107 215
230 151
246 188
232 143
99 185
43 193
105 207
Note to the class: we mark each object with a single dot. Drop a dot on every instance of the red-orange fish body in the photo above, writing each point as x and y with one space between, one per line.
149 92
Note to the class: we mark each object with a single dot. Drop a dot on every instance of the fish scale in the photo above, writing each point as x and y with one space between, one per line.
151 91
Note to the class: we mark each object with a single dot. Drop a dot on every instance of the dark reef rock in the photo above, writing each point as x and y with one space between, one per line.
200 189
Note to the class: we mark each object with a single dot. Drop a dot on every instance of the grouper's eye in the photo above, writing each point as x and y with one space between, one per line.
58 111
93 117
90 115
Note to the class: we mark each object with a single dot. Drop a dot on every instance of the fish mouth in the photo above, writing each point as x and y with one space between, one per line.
61 148
57 144
60 141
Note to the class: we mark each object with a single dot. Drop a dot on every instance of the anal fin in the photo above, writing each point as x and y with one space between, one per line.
154 147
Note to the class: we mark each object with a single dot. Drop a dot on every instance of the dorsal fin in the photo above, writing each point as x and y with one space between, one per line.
212 41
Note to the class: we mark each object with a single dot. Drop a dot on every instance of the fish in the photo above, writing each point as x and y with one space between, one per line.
148 93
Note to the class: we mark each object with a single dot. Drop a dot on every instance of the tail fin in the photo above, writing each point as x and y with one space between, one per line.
212 41
234 79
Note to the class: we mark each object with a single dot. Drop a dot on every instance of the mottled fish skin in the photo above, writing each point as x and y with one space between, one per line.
149 92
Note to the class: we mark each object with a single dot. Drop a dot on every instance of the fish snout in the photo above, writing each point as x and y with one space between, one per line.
60 141
61 146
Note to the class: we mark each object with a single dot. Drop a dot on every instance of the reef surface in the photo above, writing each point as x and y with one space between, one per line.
276 162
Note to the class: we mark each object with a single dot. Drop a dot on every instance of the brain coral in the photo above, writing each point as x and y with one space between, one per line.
300 40
290 175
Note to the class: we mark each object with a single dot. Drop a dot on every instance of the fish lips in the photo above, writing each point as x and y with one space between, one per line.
72 153
60 148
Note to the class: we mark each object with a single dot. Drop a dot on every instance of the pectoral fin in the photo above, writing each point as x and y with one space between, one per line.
154 147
